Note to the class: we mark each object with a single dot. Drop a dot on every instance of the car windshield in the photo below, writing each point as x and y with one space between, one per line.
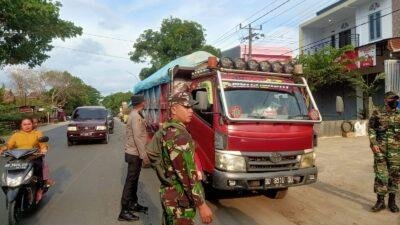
265 104
89 114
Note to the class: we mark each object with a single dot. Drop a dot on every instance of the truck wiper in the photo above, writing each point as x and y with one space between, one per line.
257 116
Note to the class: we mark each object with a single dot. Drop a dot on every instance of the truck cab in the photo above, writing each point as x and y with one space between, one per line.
253 129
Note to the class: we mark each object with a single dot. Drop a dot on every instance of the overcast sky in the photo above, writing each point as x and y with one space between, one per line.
110 27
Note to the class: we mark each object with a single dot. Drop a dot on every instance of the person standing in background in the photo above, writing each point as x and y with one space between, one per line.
135 156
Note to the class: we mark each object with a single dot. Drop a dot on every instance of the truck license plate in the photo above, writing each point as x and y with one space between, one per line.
277 181
86 134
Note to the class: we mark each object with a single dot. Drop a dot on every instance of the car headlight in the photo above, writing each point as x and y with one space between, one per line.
307 159
72 128
102 127
228 162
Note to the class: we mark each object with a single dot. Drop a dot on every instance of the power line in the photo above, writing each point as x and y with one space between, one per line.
233 28
289 22
361 24
265 14
344 19
91 53
109 37
270 11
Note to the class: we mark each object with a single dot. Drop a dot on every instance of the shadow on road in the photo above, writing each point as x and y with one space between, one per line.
230 215
153 217
344 194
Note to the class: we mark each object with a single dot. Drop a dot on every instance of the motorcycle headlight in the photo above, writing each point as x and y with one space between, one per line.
228 162
72 128
102 127
14 180
307 159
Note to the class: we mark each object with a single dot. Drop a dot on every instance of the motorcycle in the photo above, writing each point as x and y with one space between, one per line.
20 182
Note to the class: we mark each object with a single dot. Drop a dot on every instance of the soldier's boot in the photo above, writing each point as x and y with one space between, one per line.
392 203
380 204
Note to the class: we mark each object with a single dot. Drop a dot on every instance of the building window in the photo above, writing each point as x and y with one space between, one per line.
374 25
344 38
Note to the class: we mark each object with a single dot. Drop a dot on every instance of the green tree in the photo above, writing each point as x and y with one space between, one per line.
68 91
175 38
114 101
27 28
329 66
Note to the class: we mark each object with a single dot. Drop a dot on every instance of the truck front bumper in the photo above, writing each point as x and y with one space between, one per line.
259 181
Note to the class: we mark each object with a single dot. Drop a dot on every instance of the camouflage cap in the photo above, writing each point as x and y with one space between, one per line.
182 98
391 95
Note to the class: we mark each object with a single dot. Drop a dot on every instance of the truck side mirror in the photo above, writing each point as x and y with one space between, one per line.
339 105
202 98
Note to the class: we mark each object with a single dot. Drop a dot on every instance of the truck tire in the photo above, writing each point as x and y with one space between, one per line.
278 193
347 126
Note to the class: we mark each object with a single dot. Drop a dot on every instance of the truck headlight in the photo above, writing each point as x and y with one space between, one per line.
102 127
307 159
228 162
72 128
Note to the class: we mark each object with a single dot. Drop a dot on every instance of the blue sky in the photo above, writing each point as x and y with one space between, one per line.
110 27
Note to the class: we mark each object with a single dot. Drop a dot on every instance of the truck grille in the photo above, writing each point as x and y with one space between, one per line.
271 163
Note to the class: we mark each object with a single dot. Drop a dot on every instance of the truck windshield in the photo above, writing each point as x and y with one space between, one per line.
265 104
89 114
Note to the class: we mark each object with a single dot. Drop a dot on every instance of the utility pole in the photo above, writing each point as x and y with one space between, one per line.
251 36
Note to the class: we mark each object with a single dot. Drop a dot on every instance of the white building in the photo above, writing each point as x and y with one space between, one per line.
371 26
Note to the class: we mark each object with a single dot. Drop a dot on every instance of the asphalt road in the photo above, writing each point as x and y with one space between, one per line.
90 178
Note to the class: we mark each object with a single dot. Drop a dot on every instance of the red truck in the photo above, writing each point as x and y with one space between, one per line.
253 128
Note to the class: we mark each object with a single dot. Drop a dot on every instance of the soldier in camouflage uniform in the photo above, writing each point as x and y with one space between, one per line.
384 135
181 199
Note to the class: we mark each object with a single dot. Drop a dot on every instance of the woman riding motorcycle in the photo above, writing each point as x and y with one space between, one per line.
28 138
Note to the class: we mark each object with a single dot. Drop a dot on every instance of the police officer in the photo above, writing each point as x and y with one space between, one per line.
181 199
384 135
135 156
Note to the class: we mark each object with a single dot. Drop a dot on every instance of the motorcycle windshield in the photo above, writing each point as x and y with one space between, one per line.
19 153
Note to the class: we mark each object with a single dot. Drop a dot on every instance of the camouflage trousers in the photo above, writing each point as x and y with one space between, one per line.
387 170
176 209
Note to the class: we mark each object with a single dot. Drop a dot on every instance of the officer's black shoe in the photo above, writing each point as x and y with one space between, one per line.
139 208
380 204
125 215
392 203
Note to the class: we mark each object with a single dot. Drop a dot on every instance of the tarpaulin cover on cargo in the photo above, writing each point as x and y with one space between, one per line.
162 76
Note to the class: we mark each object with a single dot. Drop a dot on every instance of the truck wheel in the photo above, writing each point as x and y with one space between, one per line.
13 215
278 193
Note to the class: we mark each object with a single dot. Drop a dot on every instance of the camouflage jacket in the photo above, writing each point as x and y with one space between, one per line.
178 156
384 128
